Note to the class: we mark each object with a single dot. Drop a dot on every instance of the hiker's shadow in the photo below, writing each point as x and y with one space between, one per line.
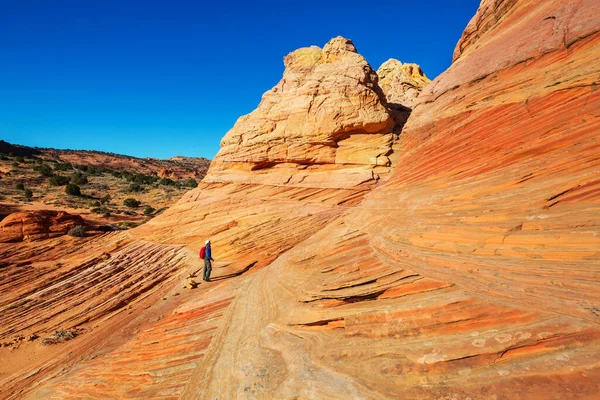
234 274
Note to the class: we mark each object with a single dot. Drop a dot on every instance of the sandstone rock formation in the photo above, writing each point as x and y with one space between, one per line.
401 83
325 124
471 272
35 225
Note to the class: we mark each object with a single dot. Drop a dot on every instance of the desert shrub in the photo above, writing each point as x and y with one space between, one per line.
101 210
77 231
43 169
191 183
134 187
63 166
20 159
58 180
4 157
132 203
20 186
77 178
15 164
148 210
28 194
105 199
72 190
167 182
127 176
94 204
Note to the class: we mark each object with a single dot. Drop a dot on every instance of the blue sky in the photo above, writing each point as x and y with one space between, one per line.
166 78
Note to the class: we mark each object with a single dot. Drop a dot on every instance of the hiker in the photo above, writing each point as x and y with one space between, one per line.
206 254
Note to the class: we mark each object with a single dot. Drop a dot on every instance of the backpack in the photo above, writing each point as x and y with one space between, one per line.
202 252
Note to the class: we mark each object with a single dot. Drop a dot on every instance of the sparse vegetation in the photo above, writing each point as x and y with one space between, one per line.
134 187
191 183
105 199
58 180
43 169
77 178
73 190
132 203
63 166
28 194
168 182
99 190
77 231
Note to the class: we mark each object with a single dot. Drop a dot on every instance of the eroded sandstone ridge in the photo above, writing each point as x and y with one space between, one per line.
471 272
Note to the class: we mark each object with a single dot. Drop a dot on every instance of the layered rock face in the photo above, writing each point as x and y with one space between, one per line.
318 142
325 124
36 225
471 272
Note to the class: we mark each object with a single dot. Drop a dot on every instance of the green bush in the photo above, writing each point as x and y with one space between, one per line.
148 210
77 178
43 169
4 157
134 187
101 210
28 194
58 180
105 199
20 159
77 231
132 203
20 186
94 204
167 182
63 166
72 190
191 183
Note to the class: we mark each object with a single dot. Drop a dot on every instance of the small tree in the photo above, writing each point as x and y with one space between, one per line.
73 190
28 194
132 203
20 186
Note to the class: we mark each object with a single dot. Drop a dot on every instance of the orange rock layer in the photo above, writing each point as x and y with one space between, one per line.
472 272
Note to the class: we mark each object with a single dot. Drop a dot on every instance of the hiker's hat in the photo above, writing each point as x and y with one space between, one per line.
207 241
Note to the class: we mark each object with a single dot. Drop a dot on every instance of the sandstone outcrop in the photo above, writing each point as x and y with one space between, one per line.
325 124
401 83
471 272
35 225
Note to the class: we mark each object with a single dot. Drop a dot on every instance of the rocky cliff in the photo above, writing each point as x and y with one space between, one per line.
470 271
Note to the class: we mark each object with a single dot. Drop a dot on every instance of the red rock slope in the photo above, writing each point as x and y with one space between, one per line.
283 182
472 272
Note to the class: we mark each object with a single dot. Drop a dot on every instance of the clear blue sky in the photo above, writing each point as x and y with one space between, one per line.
165 78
